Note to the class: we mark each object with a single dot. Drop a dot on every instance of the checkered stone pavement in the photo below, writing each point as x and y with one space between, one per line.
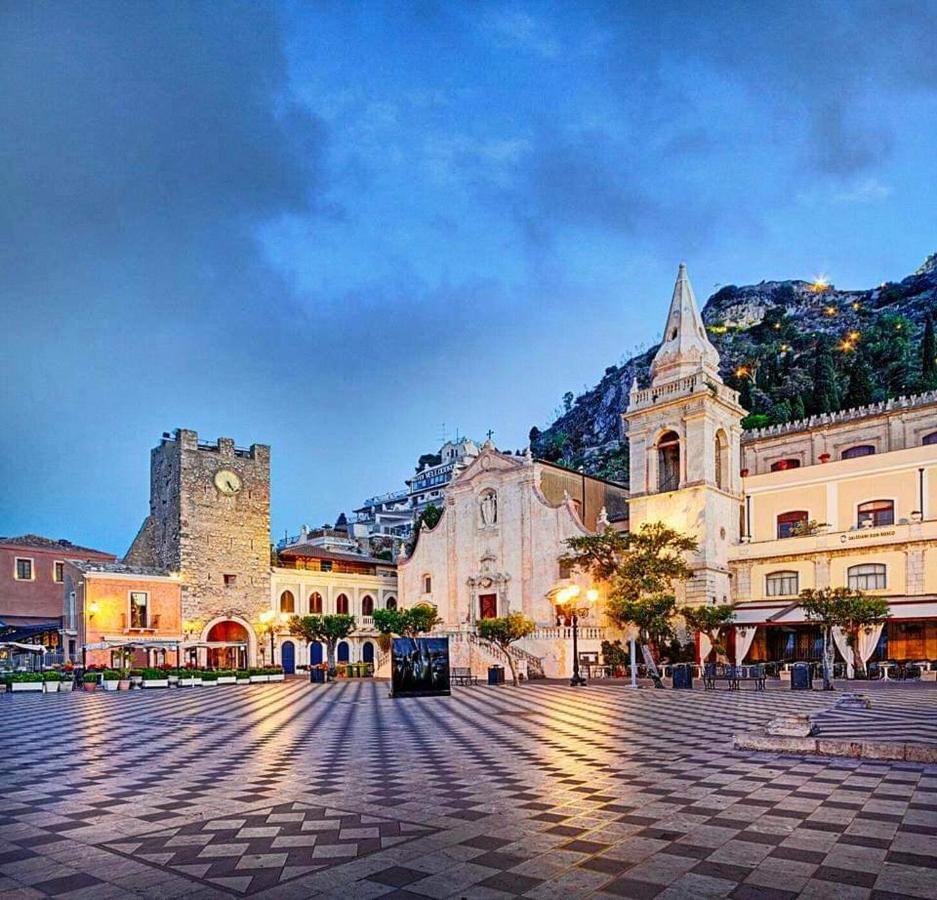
295 790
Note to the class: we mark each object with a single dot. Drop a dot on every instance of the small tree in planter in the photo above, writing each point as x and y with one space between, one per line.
328 629
855 612
410 622
504 631
819 605
714 622
640 568
90 681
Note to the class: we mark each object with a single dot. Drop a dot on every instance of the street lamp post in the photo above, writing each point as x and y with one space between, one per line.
572 603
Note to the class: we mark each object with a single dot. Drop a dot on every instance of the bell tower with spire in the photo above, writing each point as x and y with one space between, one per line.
684 435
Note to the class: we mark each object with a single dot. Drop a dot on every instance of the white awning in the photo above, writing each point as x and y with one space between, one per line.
35 648
213 645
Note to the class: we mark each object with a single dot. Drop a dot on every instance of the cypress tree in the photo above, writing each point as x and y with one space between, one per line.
825 391
861 389
798 411
929 356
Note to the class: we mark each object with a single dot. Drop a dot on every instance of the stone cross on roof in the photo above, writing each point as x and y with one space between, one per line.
685 349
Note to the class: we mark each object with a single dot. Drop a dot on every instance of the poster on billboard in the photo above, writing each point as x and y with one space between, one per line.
420 667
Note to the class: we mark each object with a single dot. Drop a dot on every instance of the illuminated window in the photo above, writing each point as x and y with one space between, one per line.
783 464
287 602
341 605
790 522
668 462
859 450
24 569
315 603
139 609
877 513
867 577
367 605
58 571
782 584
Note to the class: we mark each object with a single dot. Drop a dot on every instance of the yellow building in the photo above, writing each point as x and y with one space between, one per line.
841 500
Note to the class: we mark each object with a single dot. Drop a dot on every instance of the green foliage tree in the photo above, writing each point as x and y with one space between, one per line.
504 631
825 387
410 622
856 612
429 517
328 629
819 605
861 389
928 356
640 568
568 398
713 621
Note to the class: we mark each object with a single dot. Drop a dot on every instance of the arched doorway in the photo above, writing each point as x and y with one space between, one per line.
367 652
391 603
344 652
316 656
288 657
228 631
367 605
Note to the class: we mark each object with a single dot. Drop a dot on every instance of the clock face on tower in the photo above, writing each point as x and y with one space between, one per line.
227 482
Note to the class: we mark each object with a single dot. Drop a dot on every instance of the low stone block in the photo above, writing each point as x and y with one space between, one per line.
756 740
794 725
883 750
923 753
851 749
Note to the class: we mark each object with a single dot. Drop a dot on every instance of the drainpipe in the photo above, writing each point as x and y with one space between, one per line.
748 516
920 491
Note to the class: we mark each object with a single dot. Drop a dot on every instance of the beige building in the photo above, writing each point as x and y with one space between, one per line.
317 580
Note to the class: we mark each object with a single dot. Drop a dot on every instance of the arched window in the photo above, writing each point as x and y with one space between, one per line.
930 438
876 513
866 577
315 603
782 464
341 605
790 523
858 450
668 462
287 602
390 603
427 584
721 452
367 605
782 584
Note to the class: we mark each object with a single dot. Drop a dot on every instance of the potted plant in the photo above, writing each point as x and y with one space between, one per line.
172 675
189 677
258 676
242 676
67 680
275 673
51 681
209 679
26 681
226 676
90 681
111 679
155 678
136 677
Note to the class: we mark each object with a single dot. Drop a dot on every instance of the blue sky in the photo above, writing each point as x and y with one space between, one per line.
334 227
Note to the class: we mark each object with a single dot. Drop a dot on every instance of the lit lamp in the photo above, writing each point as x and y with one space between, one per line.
571 603
268 621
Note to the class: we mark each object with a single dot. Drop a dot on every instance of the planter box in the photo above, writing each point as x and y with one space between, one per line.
226 679
173 679
156 683
242 680
211 682
111 685
18 686
280 677
90 686
189 682
51 687
123 684
259 679
66 687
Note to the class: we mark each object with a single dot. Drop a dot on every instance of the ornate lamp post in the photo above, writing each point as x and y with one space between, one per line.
571 603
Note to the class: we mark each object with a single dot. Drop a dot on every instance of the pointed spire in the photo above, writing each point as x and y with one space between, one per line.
685 349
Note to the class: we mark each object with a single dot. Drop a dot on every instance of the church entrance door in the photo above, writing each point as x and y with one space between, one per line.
487 606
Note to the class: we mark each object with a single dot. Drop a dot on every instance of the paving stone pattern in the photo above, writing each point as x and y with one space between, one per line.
293 790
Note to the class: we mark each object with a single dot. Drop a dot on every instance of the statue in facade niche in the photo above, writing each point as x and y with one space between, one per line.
488 508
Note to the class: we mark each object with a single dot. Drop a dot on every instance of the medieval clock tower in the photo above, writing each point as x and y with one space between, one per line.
684 433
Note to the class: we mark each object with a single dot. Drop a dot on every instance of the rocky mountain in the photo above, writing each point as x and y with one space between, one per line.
792 348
